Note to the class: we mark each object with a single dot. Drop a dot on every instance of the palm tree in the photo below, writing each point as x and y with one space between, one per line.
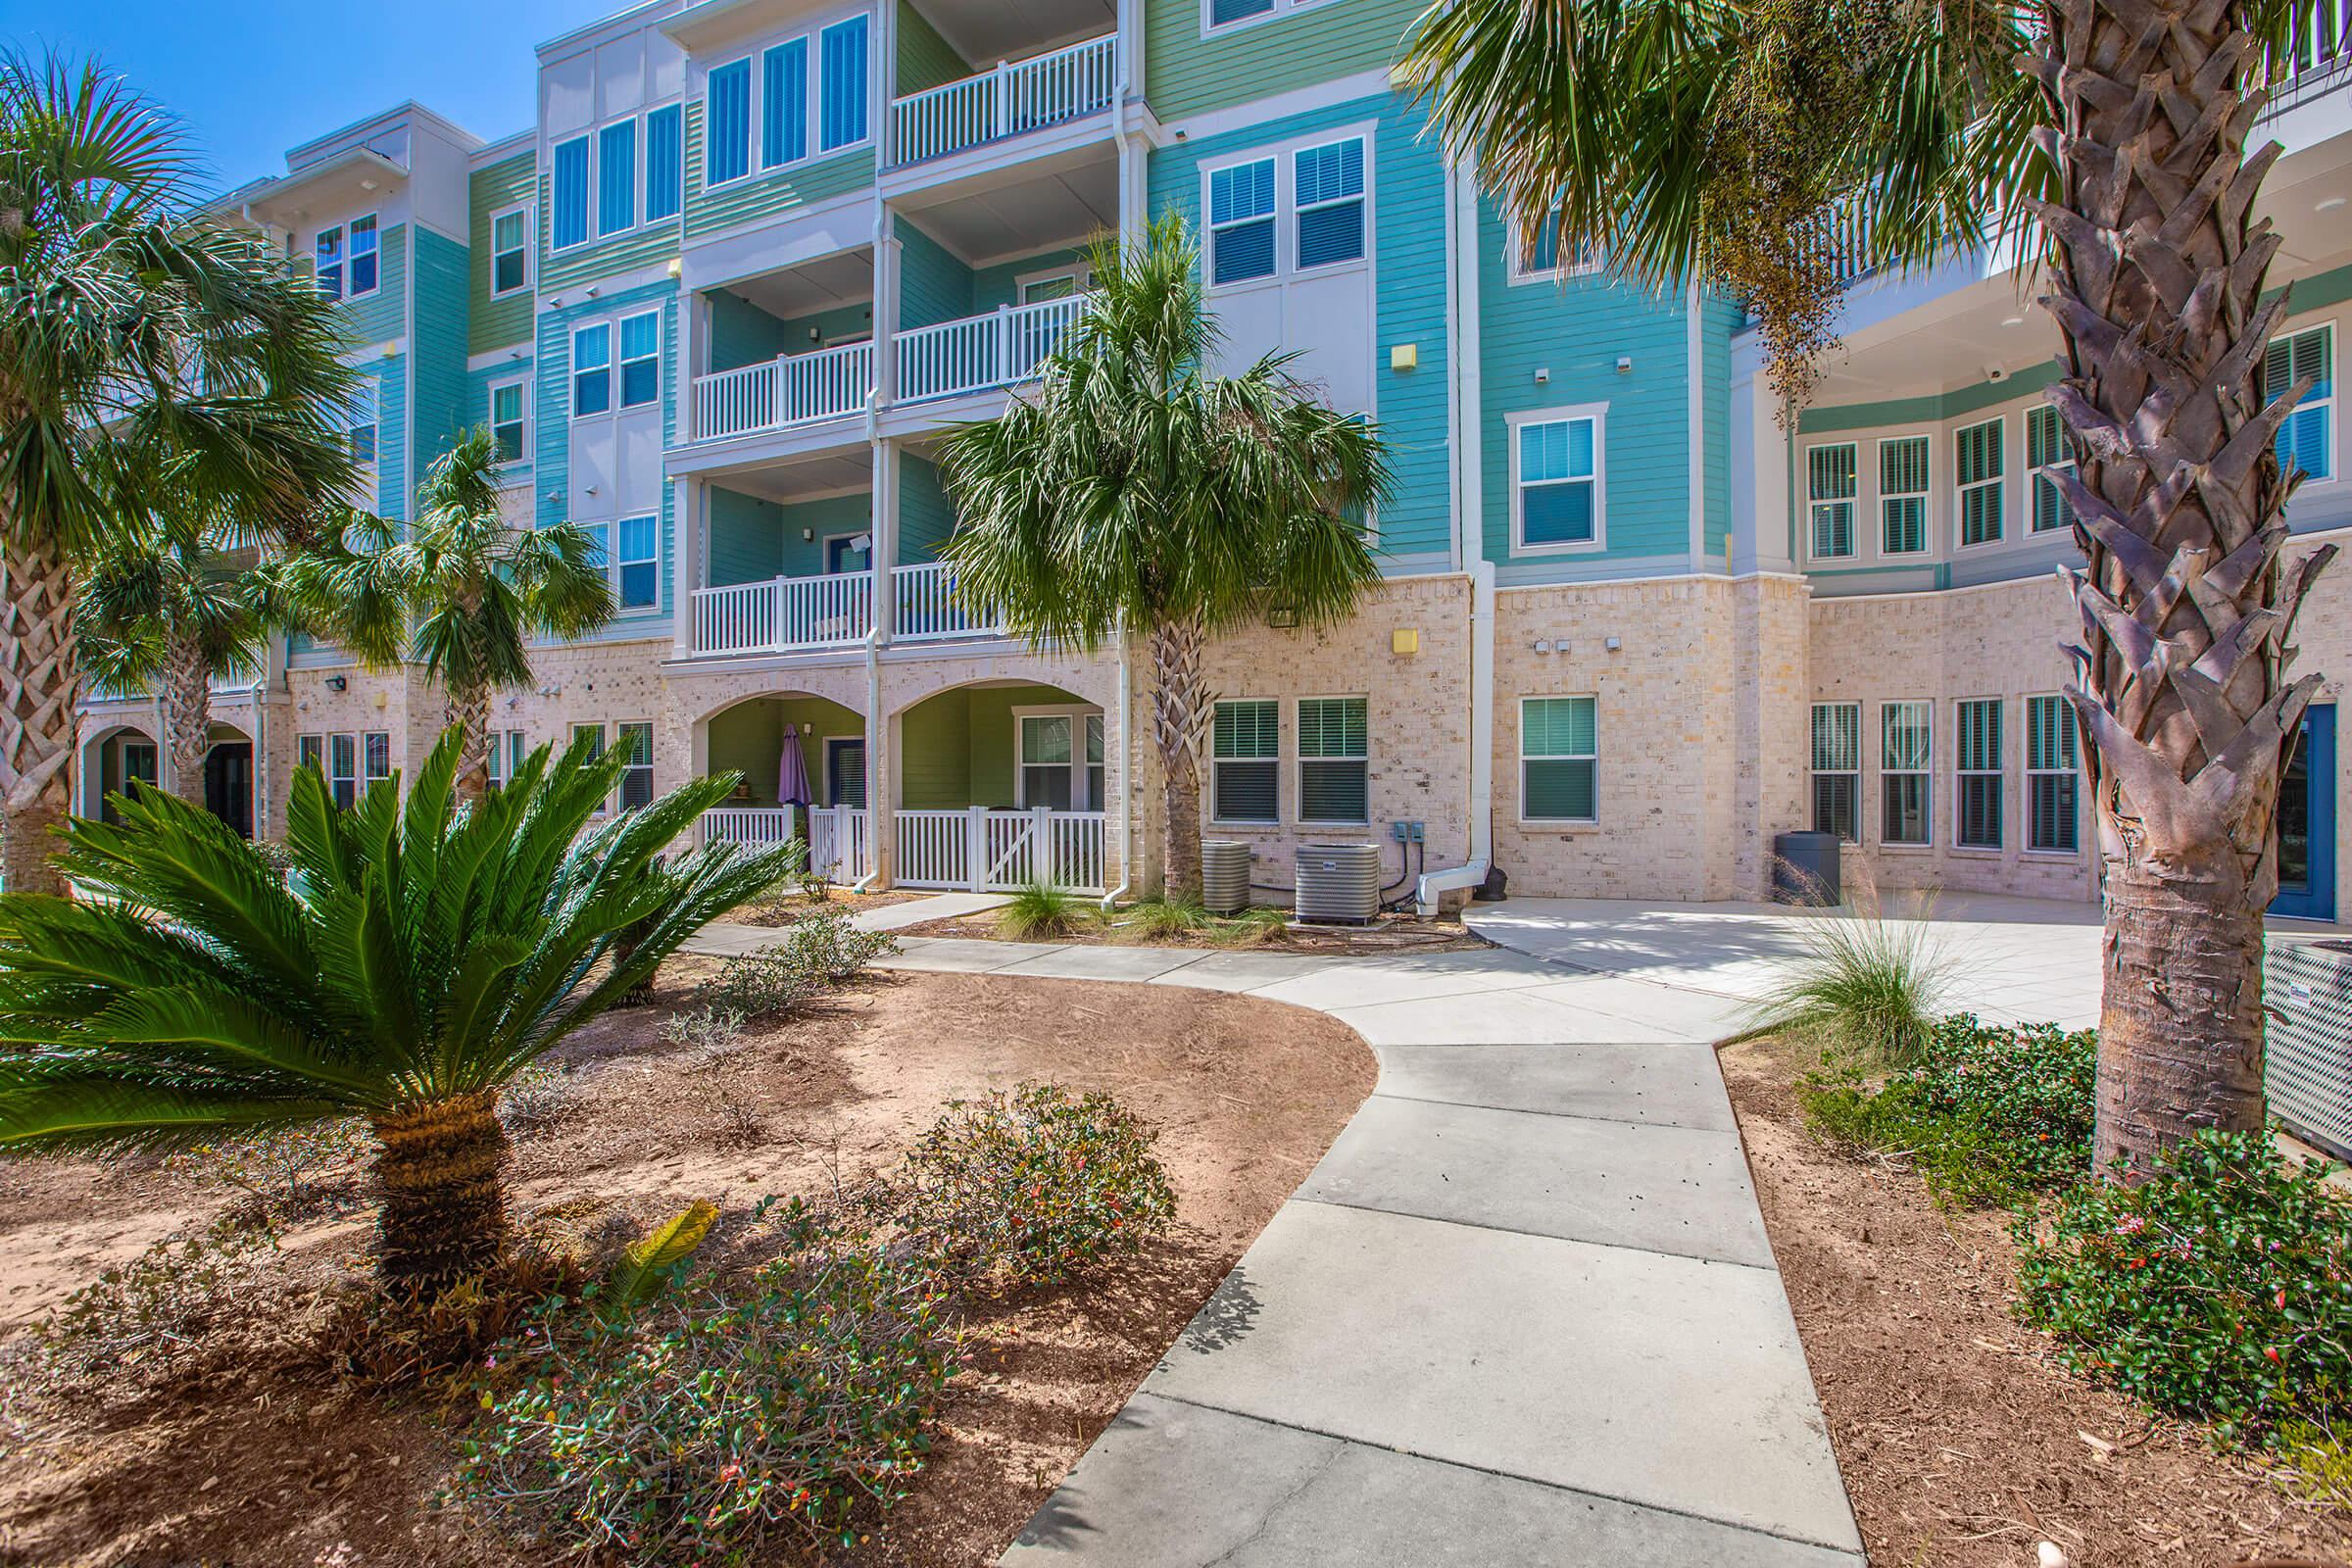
1768 150
126 324
476 590
417 956
1135 489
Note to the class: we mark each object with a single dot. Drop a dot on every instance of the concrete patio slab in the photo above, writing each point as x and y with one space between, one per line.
1673 1085
1677 1190
1422 977
1083 962
919 912
1242 972
1669 1381
1498 1017
1695 1016
1181 1486
965 955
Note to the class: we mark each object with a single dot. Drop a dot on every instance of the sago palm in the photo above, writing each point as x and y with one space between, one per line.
458 591
125 323
418 956
1770 147
1135 489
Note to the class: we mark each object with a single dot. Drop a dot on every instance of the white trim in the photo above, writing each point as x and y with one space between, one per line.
2028 772
1258 824
1809 501
1283 106
1598 412
523 211
651 752
1284 215
1998 484
1080 275
621 360
521 384
341 229
1998 772
1275 11
1300 759
1815 771
1520 740
571 369
1926 497
1928 773
2331 403
1081 798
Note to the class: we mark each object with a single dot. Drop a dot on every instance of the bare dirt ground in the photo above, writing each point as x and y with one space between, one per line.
263 1456
791 908
1963 1445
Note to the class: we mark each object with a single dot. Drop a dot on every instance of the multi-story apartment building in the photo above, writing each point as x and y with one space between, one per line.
722 300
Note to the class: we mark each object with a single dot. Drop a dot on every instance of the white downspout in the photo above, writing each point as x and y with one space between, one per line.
1130 214
873 705
1126 780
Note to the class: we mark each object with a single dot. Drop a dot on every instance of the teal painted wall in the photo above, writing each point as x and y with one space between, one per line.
925 59
438 344
742 333
926 517
391 436
752 540
496 324
550 439
998 285
934 285
763 195
383 316
1720 320
957 750
1187 73
477 408
1408 254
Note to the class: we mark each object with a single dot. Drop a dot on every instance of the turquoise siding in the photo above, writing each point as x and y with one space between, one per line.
1720 320
477 409
1408 255
925 59
933 285
999 284
926 517
439 346
382 315
391 436
742 333
752 540
773 194
552 436
625 252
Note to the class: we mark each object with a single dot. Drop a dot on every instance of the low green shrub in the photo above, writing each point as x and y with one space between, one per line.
755 984
1988 1113
705 1034
828 949
1039 910
1029 1186
1253 927
719 1428
2219 1288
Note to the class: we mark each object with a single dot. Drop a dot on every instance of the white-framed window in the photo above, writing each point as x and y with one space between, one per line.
507 749
784 103
1288 210
843 84
1560 758
570 194
620 176
1328 182
1223 15
1557 479
509 413
664 162
616 178
376 757
1977 470
1832 481
1837 770
138 765
1535 258
1246 761
359 421
1903 484
728 121
591 370
1906 733
2053 788
2046 455
346 259
1056 284
1334 759
640 359
350 761
630 552
593 734
636 742
1241 226
510 251
2307 440
310 750
1976 763
1058 758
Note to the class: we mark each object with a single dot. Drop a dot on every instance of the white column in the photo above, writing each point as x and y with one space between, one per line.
1760 469
885 529
687 562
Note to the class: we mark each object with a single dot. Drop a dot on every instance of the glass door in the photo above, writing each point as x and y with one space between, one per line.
2307 822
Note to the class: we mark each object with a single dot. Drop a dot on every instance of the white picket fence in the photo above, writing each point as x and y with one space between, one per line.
783 614
792 389
975 352
839 837
923 605
982 849
1018 95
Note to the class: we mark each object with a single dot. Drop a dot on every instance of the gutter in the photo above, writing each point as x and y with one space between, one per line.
873 817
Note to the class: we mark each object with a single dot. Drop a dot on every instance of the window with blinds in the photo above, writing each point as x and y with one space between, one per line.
1837 770
616 177
2047 453
636 743
1334 759
1830 483
2307 440
1977 757
2053 807
1328 193
1245 747
1978 469
1558 755
1241 222
1903 483
728 123
1905 741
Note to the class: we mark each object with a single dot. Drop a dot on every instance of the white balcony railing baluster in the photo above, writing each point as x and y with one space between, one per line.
977 352
1018 95
793 389
923 605
784 613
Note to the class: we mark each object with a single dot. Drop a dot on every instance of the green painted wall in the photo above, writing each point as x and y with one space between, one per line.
925 59
742 333
763 195
957 749
1186 73
438 345
749 736
496 324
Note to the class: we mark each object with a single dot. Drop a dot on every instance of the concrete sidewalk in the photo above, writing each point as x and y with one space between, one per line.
1524 1311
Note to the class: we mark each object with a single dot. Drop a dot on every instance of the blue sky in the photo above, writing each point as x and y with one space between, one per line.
251 79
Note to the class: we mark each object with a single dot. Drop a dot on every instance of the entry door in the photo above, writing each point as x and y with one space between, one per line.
845 773
2307 822
228 785
842 554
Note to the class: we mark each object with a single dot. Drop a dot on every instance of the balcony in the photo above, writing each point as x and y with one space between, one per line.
778 394
1003 347
1019 96
784 615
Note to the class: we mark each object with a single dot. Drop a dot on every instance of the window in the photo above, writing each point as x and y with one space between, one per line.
1837 770
1240 223
327 257
636 743
510 253
616 177
2046 453
1328 193
1904 745
362 256
310 750
2051 807
506 420
1903 495
1977 452
1046 758
359 417
843 84
138 765
727 117
2307 439
507 749
664 163
640 359
784 104
639 566
1830 483
593 734
571 193
376 756
1222 13
346 259
1246 742
1333 760
1557 755
1094 763
1538 256
591 370
845 771
1555 483
343 768
1978 759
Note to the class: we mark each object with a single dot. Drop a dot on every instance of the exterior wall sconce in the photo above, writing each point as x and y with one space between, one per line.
1404 356
1282 617
337 683
1404 640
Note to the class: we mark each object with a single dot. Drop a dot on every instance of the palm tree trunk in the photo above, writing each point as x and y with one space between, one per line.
2182 692
469 713
441 1168
40 688
1179 717
187 714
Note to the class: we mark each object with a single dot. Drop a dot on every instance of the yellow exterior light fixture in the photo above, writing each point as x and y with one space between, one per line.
1404 640
1404 356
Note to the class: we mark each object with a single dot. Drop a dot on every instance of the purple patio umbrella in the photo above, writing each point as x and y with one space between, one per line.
792 771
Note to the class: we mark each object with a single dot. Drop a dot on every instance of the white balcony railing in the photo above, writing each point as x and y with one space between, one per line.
923 605
978 352
778 393
1018 95
986 851
783 614
839 836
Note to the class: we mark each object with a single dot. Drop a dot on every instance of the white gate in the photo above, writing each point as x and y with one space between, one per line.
985 851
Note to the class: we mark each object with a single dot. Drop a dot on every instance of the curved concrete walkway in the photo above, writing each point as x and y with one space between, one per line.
1524 1311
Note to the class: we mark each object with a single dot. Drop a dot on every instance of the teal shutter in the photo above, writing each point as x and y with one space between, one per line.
727 127
841 106
664 163
784 105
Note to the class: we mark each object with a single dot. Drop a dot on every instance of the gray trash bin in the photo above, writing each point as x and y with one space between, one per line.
1804 868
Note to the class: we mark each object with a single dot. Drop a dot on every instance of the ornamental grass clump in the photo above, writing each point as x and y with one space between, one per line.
1028 1188
1868 984
1041 910
2219 1288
